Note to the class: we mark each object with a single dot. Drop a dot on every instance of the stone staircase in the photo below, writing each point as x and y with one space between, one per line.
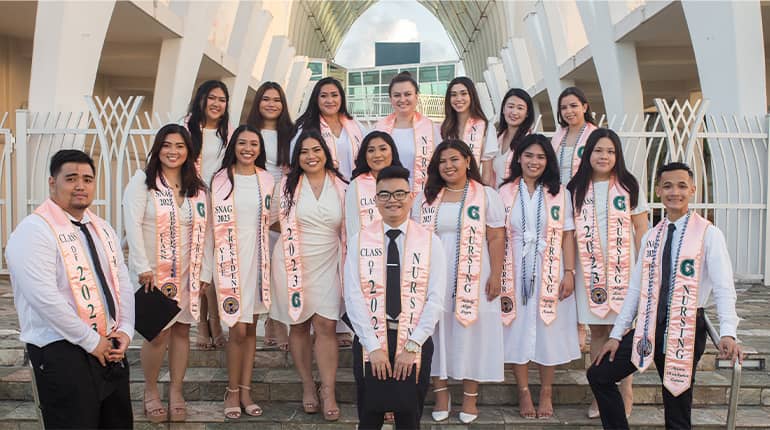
276 387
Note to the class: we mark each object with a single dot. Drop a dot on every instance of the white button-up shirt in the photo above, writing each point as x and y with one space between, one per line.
356 306
41 290
716 277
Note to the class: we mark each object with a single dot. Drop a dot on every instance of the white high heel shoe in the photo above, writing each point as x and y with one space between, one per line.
468 418
442 415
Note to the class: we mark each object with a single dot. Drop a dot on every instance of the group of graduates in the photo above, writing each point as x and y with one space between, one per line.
461 248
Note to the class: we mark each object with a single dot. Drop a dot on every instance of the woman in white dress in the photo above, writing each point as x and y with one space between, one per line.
166 204
240 200
539 313
603 174
415 135
270 115
468 341
517 117
464 120
377 152
327 112
576 124
208 121
306 265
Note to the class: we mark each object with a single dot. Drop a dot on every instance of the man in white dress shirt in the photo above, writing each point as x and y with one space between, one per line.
390 372
675 188
76 344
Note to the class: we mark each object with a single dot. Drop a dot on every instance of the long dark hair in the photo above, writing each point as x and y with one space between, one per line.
577 92
550 177
311 118
435 182
526 125
229 159
284 125
191 182
361 165
197 115
450 128
292 178
578 186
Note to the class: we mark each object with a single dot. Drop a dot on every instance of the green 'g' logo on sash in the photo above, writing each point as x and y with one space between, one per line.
619 203
687 267
580 151
267 202
201 209
473 212
555 212
295 302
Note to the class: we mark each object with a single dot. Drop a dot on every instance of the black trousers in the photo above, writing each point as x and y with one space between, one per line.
408 420
76 391
604 377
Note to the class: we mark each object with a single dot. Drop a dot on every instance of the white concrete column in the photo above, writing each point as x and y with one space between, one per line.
543 39
496 82
486 100
69 37
297 83
512 75
180 59
728 44
251 24
278 60
615 63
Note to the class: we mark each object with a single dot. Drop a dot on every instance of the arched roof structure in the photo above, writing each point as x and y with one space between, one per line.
476 27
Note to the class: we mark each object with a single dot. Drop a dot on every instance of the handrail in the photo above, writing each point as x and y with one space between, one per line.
735 386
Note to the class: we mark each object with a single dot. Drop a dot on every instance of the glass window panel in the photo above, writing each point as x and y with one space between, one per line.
387 75
372 78
316 68
354 78
446 72
428 74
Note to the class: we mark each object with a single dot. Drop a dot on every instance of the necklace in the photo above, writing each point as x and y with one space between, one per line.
458 190
457 241
527 289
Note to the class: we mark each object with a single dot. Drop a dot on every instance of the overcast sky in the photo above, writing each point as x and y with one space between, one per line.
395 21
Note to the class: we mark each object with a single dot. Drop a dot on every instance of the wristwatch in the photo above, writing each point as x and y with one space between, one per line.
411 346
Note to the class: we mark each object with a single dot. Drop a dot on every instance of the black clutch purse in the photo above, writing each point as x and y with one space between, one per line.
152 312
390 395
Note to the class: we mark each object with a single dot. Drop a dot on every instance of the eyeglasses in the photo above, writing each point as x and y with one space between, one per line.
398 195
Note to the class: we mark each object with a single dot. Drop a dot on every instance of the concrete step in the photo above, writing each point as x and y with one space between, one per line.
712 388
289 416
13 354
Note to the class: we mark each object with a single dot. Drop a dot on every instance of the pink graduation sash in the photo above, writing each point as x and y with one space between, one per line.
423 145
472 242
169 246
605 286
354 135
415 274
292 243
226 243
508 193
550 275
579 145
82 280
366 187
680 331
475 130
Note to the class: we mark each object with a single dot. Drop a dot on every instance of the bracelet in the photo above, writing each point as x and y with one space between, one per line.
570 271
